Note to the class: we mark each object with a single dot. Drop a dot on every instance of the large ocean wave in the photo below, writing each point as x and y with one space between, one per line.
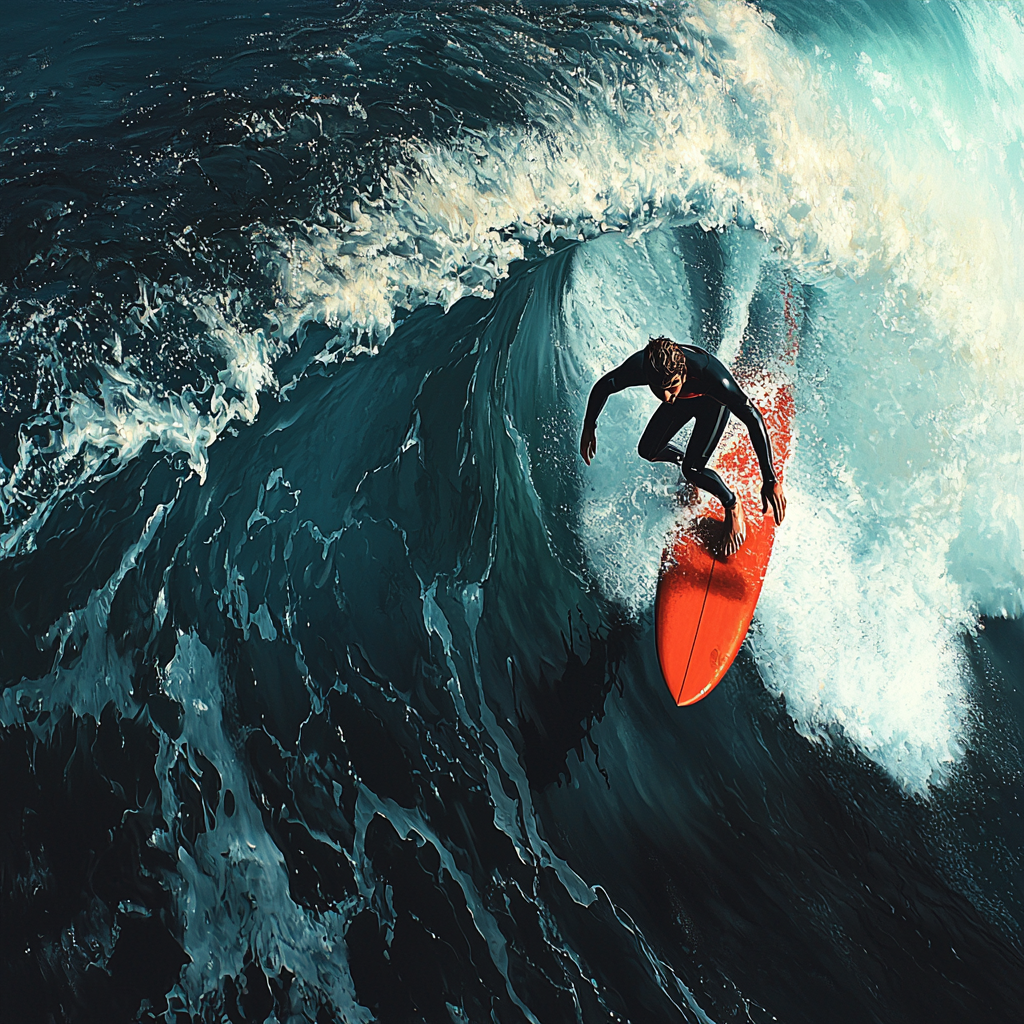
304 568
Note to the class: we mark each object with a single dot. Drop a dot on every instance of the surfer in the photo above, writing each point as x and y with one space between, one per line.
691 384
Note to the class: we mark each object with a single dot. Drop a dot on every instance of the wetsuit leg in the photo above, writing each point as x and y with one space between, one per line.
710 418
668 419
709 425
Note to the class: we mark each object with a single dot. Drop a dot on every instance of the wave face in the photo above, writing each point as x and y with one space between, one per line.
328 678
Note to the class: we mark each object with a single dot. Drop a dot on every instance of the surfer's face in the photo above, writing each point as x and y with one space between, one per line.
668 391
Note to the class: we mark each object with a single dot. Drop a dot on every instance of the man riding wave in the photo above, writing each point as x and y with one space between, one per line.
691 384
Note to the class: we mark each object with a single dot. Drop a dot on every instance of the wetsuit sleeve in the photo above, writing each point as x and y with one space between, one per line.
720 385
629 375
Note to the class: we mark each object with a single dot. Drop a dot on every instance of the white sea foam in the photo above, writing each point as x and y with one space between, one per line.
129 414
862 641
910 455
734 130
131 411
907 506
232 882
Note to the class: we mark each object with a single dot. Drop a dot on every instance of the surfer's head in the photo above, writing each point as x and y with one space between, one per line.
665 366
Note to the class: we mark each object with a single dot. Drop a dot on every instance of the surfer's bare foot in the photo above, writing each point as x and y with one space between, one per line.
734 531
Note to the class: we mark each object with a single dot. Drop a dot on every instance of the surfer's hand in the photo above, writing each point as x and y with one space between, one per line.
773 494
588 443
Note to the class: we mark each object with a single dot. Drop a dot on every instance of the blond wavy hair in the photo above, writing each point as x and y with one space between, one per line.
664 360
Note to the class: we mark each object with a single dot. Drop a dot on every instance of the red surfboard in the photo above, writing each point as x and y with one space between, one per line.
704 604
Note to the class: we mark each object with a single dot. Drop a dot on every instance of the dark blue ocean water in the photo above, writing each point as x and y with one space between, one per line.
329 690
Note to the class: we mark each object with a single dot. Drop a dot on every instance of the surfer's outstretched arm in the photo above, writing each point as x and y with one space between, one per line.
728 392
771 490
629 375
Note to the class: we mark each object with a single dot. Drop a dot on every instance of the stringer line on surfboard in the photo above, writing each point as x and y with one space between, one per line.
696 633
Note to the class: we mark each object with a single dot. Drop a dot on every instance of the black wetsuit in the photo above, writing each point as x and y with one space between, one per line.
709 394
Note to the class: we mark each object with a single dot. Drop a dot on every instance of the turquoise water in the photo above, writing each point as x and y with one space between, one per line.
329 685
